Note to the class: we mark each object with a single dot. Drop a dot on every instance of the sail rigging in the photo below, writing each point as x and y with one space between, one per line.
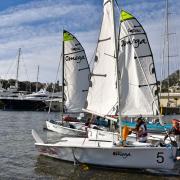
138 84
102 95
17 71
76 74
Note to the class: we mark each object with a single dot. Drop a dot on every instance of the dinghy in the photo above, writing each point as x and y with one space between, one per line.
134 155
103 153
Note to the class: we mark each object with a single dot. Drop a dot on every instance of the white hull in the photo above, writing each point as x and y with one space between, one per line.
105 154
65 130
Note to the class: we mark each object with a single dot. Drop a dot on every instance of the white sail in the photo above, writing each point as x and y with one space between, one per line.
138 85
76 74
102 95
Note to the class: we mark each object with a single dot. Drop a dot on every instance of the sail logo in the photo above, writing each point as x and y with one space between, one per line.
74 58
135 42
134 30
123 155
75 49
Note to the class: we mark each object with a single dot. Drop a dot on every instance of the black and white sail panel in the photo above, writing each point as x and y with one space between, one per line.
138 84
76 74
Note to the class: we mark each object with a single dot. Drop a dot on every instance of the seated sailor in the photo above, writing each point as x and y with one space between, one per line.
141 130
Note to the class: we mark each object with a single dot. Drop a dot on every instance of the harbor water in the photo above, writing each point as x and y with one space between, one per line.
20 160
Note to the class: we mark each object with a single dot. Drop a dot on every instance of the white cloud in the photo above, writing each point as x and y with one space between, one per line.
36 27
40 43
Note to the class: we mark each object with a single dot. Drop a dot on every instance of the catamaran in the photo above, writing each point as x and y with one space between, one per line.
83 150
75 84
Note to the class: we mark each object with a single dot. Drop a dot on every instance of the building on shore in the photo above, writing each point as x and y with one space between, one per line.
170 103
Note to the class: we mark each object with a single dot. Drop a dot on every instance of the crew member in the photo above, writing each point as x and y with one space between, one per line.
141 130
175 131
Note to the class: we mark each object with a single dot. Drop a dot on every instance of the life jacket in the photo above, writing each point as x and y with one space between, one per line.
125 133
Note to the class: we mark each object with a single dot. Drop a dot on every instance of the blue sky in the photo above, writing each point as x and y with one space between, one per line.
36 26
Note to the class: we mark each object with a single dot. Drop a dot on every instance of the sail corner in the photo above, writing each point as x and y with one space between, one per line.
67 36
125 16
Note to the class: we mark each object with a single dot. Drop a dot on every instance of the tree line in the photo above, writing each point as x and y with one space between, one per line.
31 86
173 79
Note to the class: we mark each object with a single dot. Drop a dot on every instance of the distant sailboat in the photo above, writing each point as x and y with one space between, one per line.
169 106
13 89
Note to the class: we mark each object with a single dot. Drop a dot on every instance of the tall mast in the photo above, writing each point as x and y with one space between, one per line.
117 69
37 79
17 72
63 76
167 41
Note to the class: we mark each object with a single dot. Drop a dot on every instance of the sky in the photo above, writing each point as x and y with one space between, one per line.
36 27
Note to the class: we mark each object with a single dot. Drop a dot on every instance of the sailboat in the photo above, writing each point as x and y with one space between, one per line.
82 150
138 85
75 78
12 91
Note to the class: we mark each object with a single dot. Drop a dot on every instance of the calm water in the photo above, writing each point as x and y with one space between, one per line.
20 160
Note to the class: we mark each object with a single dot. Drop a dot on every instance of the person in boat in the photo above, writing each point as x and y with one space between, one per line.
175 130
141 130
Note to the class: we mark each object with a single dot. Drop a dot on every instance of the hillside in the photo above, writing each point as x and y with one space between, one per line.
174 80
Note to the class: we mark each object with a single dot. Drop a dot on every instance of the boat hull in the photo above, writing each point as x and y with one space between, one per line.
102 155
65 130
28 105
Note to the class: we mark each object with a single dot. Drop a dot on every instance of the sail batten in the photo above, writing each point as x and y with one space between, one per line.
102 40
76 74
132 35
74 52
137 67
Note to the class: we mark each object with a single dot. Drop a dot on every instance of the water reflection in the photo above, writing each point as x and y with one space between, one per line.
50 167
55 168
